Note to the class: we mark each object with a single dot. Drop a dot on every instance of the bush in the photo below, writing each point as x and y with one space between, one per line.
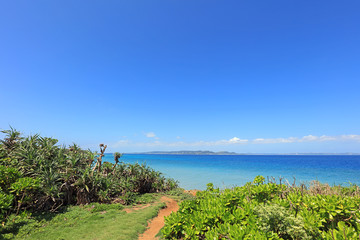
275 218
37 174
267 211
6 202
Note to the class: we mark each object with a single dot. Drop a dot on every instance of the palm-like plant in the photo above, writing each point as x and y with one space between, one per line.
11 140
117 155
65 175
99 159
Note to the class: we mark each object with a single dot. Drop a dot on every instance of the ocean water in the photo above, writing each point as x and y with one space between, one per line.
195 171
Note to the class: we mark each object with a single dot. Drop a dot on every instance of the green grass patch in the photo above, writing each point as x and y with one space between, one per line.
147 198
93 221
179 194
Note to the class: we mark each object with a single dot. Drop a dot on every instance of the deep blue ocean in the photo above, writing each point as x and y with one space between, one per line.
195 171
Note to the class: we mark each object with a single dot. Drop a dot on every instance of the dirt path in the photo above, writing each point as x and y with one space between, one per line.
158 222
130 210
192 192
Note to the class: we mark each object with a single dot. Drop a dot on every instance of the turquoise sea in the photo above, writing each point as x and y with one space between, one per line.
195 171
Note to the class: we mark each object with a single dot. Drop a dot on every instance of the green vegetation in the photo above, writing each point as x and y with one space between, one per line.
92 221
268 211
180 194
37 176
53 192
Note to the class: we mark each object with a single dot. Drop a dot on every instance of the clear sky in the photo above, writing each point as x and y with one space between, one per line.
247 76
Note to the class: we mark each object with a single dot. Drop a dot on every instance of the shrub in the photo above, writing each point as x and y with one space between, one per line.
37 174
6 202
267 211
8 175
277 219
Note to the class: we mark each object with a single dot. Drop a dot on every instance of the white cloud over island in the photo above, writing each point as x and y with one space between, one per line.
236 141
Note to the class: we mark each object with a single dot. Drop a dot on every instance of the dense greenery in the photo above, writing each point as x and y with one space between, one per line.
38 175
91 221
268 211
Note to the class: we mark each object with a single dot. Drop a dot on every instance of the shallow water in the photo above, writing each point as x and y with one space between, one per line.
195 171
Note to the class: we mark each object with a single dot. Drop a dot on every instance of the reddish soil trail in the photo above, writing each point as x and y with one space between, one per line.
129 210
158 222
192 192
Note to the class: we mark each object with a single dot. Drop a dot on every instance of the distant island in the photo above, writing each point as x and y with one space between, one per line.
190 153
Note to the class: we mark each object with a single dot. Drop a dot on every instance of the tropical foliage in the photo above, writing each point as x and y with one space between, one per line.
37 174
268 211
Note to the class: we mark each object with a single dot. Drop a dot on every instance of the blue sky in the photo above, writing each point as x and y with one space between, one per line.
244 76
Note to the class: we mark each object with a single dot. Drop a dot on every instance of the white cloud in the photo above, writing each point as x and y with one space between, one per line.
150 135
259 140
309 138
350 137
324 138
274 140
234 141
238 140
120 143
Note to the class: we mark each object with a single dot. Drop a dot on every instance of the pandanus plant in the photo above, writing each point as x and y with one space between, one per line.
99 159
11 140
64 175
117 155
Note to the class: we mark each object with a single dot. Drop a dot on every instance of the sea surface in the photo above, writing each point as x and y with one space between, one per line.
195 171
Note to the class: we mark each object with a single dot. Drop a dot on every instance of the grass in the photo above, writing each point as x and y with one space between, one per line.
179 194
93 221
